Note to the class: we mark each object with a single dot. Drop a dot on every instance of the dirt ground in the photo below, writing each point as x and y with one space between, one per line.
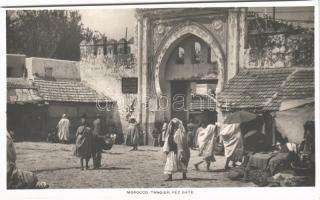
121 168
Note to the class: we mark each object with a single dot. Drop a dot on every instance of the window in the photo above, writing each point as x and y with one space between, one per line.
48 72
180 56
197 52
129 85
201 89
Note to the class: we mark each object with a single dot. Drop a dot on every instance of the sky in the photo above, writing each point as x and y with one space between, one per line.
113 22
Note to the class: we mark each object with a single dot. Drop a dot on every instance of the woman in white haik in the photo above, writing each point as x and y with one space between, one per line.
176 149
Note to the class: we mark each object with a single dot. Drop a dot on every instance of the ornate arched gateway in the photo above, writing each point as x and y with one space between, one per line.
174 37
164 34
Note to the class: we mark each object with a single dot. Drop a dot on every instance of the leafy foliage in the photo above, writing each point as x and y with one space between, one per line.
279 44
46 33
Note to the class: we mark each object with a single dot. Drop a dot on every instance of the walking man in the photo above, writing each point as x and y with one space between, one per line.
64 129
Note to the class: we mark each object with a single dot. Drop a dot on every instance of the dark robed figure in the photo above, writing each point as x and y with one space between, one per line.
84 143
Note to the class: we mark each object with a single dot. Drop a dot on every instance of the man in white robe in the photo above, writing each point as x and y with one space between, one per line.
64 129
232 142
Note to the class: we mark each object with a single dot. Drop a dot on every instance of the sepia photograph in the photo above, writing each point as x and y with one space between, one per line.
187 96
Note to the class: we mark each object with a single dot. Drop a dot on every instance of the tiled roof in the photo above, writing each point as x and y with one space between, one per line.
21 91
266 88
300 85
19 83
68 91
22 96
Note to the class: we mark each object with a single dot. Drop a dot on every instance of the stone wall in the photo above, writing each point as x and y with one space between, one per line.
280 50
104 74
61 69
279 44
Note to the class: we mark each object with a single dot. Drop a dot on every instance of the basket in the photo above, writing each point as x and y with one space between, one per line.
301 170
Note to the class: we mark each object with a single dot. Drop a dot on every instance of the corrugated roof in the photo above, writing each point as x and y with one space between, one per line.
266 88
68 91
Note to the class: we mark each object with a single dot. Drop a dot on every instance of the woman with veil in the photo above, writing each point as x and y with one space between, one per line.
176 149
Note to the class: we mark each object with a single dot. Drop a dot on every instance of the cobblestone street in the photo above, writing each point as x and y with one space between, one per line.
121 168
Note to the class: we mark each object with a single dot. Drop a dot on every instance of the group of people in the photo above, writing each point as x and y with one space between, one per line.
90 142
192 131
178 141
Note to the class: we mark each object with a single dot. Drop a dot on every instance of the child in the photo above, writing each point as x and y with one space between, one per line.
52 137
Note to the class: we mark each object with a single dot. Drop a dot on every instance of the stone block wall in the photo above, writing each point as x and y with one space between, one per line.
104 74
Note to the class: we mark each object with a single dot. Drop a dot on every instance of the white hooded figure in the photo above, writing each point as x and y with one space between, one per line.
64 129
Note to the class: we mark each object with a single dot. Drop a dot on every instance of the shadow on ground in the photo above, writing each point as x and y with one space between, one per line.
113 168
67 168
55 169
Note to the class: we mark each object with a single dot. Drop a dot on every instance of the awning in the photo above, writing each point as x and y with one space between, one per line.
294 103
290 122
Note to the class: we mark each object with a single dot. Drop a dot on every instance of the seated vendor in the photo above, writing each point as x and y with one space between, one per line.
17 178
254 141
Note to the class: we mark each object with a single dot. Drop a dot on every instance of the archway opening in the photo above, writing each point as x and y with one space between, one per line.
189 77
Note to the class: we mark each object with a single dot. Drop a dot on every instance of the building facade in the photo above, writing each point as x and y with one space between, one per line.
112 71
181 52
185 62
35 103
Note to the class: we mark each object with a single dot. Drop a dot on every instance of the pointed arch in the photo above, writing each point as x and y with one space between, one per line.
177 34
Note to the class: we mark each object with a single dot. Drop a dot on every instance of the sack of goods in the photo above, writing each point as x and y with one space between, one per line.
108 142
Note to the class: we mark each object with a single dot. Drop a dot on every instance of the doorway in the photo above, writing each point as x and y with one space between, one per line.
179 93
